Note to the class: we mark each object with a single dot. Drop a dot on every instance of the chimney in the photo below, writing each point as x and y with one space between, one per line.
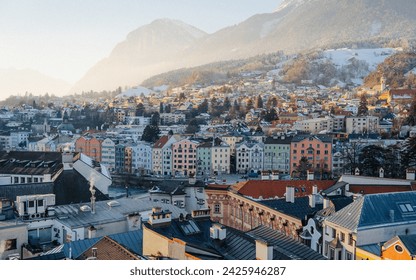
411 174
290 194
92 232
312 200
326 203
94 252
218 232
264 250
381 172
310 175
314 189
92 190
391 214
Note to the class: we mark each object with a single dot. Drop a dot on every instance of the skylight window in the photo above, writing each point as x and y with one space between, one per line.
406 208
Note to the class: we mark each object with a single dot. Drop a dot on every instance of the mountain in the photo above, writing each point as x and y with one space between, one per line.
146 51
296 26
15 82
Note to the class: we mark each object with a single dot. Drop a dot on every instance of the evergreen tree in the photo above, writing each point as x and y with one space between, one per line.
371 160
408 155
362 108
271 102
161 107
411 118
203 107
249 105
168 108
140 110
193 126
227 104
270 115
155 120
150 133
259 103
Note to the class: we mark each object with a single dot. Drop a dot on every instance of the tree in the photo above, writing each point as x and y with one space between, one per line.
203 107
140 110
168 108
303 167
408 154
271 102
249 105
193 126
350 156
155 120
371 159
270 115
259 102
227 104
182 96
411 118
161 107
150 133
362 108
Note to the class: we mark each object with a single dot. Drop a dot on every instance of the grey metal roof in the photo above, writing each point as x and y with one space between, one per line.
349 216
132 240
285 247
71 215
409 241
374 249
335 187
299 209
375 210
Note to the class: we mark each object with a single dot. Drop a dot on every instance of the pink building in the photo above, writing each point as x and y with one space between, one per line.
316 148
184 158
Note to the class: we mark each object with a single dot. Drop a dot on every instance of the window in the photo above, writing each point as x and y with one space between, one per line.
217 208
10 244
40 203
350 239
398 248
406 207
342 236
31 203
348 256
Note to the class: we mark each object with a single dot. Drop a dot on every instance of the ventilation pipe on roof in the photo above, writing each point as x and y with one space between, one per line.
391 214
290 194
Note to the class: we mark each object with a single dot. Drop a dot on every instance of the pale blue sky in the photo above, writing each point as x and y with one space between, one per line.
63 39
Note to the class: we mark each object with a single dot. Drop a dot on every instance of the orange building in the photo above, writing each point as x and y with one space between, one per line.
89 146
316 148
402 247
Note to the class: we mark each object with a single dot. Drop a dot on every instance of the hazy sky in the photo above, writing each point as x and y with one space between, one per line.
63 39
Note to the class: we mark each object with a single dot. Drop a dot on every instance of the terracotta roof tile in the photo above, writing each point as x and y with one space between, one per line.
373 189
272 189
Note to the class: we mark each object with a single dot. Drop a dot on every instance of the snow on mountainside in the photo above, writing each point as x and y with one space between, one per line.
343 57
134 92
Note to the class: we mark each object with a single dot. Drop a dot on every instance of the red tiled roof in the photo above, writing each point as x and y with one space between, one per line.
373 189
217 187
271 189
161 142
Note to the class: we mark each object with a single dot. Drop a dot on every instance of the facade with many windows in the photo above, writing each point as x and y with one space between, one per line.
184 157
